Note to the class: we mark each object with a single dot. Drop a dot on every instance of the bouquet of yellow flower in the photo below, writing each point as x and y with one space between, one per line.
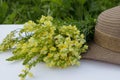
44 41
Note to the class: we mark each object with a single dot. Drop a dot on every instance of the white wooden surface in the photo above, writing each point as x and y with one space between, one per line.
88 70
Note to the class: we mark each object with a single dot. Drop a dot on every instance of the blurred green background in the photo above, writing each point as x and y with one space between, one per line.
20 11
82 13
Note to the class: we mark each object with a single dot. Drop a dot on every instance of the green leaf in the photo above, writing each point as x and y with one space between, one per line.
3 11
82 1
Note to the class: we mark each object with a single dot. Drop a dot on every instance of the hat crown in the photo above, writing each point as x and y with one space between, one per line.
109 22
107 30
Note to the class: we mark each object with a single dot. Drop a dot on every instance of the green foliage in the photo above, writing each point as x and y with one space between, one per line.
20 11
83 13
3 10
46 41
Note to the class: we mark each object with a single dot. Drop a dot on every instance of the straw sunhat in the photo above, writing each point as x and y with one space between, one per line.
106 45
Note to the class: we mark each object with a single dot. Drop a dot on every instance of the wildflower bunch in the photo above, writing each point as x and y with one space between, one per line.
44 41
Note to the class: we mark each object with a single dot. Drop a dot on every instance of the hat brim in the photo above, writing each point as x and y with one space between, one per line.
96 52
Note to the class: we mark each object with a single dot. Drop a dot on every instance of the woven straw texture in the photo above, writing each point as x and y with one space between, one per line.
106 45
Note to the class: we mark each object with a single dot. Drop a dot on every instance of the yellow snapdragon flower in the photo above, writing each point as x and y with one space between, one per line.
62 46
52 48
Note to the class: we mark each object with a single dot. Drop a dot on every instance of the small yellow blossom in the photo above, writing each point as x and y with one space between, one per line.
50 18
22 78
48 23
44 48
42 19
82 36
85 46
29 26
30 74
62 46
52 48
50 55
26 66
34 49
